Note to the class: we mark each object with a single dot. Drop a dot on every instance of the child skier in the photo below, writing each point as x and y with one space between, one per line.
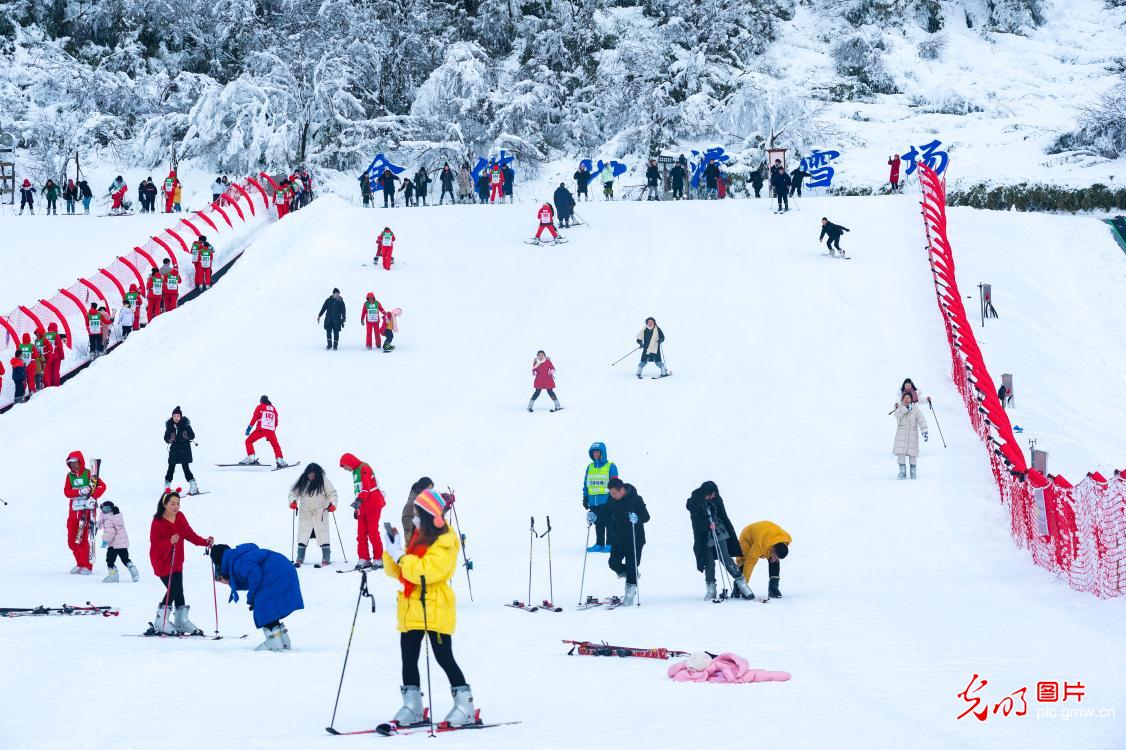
368 507
544 374
155 288
384 246
390 328
909 423
626 533
496 184
546 216
270 582
112 524
311 496
596 493
263 424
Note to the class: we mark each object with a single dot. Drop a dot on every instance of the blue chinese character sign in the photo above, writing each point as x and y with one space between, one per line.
715 153
930 155
483 164
375 171
817 164
616 167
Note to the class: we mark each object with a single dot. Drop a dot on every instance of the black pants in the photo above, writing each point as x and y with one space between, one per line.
442 646
795 188
20 385
601 521
724 560
388 196
581 192
782 197
677 191
28 203
95 343
833 240
550 392
113 554
622 562
775 568
52 205
332 335
172 470
125 331
652 189
176 584
446 191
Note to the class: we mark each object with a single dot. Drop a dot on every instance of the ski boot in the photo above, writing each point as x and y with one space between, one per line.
183 625
631 595
531 405
902 471
363 565
412 711
913 471
250 460
744 589
287 645
274 641
193 488
772 591
558 406
133 571
163 623
300 556
326 555
281 464
388 347
712 594
463 713
85 571
112 577
76 570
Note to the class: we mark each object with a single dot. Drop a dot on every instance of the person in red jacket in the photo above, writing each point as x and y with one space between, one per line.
27 351
206 263
95 321
544 373
169 529
55 363
82 489
169 191
172 281
546 216
384 245
371 315
118 195
496 184
281 199
155 287
368 505
893 178
263 424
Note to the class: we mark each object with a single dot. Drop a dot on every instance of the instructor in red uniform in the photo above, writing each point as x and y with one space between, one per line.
369 505
83 491
263 424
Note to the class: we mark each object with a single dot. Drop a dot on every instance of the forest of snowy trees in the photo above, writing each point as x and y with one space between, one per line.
247 83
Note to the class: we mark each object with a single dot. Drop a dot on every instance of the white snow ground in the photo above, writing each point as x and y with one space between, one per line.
786 364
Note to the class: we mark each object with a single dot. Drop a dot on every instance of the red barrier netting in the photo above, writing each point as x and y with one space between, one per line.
1076 531
108 284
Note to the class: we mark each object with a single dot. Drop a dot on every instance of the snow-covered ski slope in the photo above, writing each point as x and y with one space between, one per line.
786 364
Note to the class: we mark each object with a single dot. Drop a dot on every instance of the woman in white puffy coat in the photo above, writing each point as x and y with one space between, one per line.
909 423
313 497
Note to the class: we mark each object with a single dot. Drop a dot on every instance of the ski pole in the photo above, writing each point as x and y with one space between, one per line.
631 351
531 538
464 555
586 553
637 591
363 592
936 424
214 594
580 218
168 593
339 538
550 583
293 537
426 642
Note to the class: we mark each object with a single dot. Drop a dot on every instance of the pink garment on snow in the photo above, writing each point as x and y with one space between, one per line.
726 668
113 530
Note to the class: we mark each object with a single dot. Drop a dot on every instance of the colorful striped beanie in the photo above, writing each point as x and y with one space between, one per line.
431 502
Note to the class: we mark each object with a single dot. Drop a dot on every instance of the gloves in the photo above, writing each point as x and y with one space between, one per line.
251 605
925 437
293 505
248 432
84 491
104 544
590 517
91 504
356 504
391 546
356 515
331 508
633 517
449 498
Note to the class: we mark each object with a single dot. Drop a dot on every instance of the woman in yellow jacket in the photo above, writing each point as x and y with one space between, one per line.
425 568
764 539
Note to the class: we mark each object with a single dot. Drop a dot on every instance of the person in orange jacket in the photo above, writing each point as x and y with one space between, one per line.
384 245
155 287
55 363
82 490
263 424
373 324
172 281
369 504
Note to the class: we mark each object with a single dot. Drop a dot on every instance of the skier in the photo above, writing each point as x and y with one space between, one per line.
34 377
263 424
335 316
565 204
546 216
780 184
909 387
115 541
117 191
365 189
483 188
51 192
596 493
206 262
172 282
496 184
626 532
407 516
909 423
893 176
428 563
709 523
311 496
650 346
168 190
407 188
55 363
764 541
607 183
86 193
421 185
387 182
270 582
582 180
652 175
155 287
130 311
178 433
757 180
464 184
509 175
27 197
446 178
384 247
797 177
95 320
70 196
678 176
169 530
368 505
83 491
544 373
373 322
833 232
390 328
46 352
19 379
196 248
281 199
711 180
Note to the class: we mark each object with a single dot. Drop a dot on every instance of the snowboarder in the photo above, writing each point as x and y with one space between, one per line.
311 496
780 184
407 516
626 532
464 184
96 320
27 197
709 523
83 491
544 373
893 176
270 582
678 175
373 323
387 182
421 185
116 542
582 180
335 316
910 421
797 177
368 506
263 424
51 192
509 175
427 565
384 247
70 196
546 216
496 184
833 232
446 178
596 493
650 340
565 204
169 530
764 541
607 183
155 288
652 176
86 193
178 433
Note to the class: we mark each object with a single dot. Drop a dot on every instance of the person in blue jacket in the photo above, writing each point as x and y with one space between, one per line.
270 583
596 494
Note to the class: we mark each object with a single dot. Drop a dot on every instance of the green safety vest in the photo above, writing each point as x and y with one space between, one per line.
388 238
78 481
597 478
26 351
131 299
157 284
52 336
371 310
169 183
357 483
205 257
95 319
172 281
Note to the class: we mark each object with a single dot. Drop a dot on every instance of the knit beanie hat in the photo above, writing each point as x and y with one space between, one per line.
177 411
434 504
217 552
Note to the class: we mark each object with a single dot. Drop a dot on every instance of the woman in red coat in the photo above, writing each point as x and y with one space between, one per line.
166 553
544 373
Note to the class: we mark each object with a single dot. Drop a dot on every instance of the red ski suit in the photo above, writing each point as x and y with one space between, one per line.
171 289
55 363
263 423
546 215
155 288
384 246
281 200
83 491
372 314
169 190
371 503
118 196
544 375
496 183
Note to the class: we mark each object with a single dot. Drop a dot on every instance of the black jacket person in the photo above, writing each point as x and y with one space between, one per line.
334 314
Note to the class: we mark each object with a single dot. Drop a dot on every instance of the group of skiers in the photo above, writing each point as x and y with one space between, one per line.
496 183
37 363
72 193
293 193
380 324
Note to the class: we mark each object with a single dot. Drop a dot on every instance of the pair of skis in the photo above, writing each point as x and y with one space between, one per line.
610 602
588 648
66 609
546 606
557 241
394 729
657 377
257 466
